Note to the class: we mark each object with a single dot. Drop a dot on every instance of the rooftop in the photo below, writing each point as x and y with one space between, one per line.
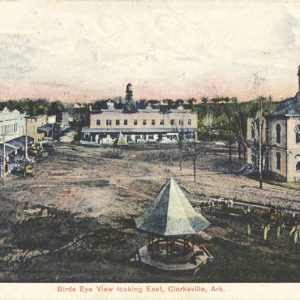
287 107
171 214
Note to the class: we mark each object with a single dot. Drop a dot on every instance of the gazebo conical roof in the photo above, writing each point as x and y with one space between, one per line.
120 140
171 214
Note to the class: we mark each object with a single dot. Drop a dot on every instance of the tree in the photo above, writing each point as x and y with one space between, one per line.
207 125
204 100
195 150
257 147
99 104
180 139
170 102
56 108
191 102
227 126
179 102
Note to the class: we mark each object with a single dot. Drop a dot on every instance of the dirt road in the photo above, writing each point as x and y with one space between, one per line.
73 220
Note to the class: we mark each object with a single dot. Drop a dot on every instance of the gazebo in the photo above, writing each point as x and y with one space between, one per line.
171 224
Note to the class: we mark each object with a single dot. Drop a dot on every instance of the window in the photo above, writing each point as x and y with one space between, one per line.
108 122
253 130
152 122
135 122
278 131
161 122
98 122
180 122
172 122
297 130
278 160
298 164
189 122
144 122
117 122
125 122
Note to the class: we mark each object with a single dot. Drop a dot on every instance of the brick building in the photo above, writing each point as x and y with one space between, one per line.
281 136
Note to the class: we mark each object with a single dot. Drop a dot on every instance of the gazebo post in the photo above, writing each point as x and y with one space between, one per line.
193 243
167 247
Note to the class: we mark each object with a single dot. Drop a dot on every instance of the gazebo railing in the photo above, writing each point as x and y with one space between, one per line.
170 249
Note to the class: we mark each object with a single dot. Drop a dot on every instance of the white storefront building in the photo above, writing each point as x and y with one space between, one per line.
12 132
12 124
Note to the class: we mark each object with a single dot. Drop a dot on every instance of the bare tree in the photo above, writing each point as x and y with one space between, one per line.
195 150
180 140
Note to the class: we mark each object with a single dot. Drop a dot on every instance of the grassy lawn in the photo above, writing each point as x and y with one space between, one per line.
289 185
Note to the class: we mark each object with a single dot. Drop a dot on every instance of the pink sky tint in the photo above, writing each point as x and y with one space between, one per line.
87 50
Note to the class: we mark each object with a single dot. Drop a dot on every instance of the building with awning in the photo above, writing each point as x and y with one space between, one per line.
12 124
8 150
140 125
15 145
50 130
33 123
47 128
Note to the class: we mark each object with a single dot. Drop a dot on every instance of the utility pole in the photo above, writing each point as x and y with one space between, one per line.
26 140
3 158
260 163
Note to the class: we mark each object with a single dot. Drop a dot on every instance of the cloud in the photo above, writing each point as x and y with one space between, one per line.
15 53
285 30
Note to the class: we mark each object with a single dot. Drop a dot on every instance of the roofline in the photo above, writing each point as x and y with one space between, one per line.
121 111
176 235
136 130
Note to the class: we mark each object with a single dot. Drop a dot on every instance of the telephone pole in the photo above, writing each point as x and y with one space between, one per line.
260 145
3 173
3 158
26 140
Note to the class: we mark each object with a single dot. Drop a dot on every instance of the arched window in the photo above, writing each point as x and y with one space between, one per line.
297 163
297 131
98 122
252 130
278 133
278 160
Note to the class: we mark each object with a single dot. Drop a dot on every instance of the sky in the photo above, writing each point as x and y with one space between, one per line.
83 50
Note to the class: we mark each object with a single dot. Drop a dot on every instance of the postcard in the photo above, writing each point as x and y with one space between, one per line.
149 149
